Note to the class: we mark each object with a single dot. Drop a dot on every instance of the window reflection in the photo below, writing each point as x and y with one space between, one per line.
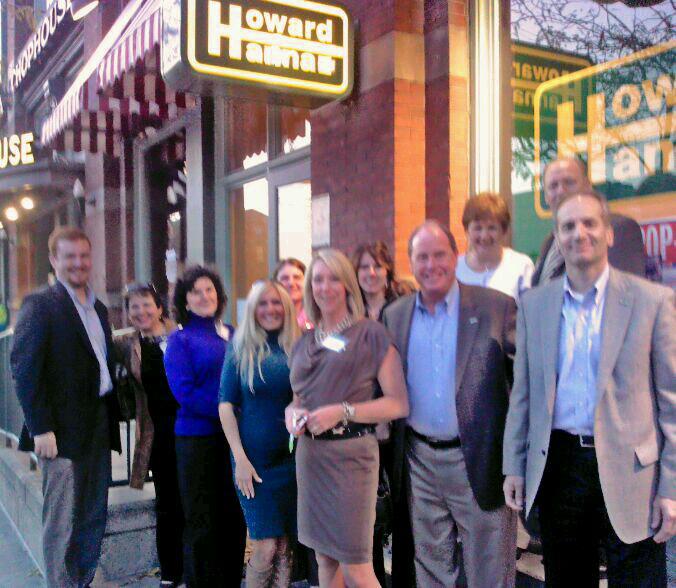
295 128
595 80
249 243
295 221
246 134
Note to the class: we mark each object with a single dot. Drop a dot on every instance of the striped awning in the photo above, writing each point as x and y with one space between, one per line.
140 38
119 91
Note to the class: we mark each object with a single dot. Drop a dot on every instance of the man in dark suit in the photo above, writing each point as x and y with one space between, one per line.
455 343
569 176
62 361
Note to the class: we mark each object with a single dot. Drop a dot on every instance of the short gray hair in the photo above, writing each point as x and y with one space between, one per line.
600 198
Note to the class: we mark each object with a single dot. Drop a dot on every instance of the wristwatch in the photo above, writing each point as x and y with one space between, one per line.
348 413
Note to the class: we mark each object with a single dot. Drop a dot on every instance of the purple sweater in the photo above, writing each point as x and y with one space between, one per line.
193 362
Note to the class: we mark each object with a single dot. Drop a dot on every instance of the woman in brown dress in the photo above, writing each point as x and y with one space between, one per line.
335 369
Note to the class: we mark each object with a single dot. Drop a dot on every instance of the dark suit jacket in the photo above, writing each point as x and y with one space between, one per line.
486 334
627 254
56 372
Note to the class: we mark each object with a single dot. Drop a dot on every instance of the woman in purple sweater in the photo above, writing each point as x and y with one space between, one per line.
215 532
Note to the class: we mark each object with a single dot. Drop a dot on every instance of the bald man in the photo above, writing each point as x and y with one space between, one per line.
569 176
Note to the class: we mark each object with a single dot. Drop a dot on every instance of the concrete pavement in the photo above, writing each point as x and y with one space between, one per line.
18 570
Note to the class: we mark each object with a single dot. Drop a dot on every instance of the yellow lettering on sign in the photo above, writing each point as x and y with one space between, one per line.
630 91
305 41
275 23
16 150
664 90
626 164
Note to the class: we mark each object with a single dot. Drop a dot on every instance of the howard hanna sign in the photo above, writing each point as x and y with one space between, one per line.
278 46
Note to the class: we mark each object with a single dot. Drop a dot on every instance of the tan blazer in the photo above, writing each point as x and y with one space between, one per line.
635 418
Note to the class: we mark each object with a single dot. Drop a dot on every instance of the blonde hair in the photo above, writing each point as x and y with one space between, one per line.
339 266
250 342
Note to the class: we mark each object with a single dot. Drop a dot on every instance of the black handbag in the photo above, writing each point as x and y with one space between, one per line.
124 387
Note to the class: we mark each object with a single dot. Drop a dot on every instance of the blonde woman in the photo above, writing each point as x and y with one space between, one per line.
335 369
254 392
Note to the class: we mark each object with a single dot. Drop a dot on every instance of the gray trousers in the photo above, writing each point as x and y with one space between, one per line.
443 509
74 511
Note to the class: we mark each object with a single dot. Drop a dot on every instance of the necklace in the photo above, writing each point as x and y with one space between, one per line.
321 334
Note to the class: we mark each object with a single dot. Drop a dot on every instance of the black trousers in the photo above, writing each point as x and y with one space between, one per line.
215 531
168 510
574 522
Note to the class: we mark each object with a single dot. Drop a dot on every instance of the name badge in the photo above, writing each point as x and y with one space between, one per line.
335 343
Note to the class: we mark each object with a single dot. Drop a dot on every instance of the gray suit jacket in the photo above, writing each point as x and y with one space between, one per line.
486 330
635 418
627 254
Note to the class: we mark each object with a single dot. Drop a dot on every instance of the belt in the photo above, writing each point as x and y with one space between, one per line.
585 441
350 432
433 442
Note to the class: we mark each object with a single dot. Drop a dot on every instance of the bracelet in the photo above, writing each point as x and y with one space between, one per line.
348 413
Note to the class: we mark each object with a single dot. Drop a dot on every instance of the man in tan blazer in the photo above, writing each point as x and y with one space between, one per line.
591 428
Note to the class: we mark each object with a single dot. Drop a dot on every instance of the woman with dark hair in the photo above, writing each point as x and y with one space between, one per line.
142 355
215 533
374 268
290 273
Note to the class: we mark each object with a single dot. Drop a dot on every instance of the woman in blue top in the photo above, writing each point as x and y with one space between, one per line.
255 390
215 533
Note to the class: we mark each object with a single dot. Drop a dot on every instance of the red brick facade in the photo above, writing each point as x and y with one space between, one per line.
398 152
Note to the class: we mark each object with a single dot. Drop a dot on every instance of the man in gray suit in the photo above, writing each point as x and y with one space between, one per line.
591 429
455 342
569 176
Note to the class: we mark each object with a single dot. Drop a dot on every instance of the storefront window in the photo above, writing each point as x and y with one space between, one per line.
249 238
295 128
247 134
595 80
295 220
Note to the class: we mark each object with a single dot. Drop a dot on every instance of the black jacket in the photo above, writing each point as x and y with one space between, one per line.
56 373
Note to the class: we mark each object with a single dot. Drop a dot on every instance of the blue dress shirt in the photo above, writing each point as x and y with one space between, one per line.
92 324
431 367
579 352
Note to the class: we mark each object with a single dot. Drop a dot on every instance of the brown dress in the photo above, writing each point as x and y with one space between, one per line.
338 479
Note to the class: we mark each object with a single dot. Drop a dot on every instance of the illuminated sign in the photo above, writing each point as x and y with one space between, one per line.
629 131
289 46
18 69
16 150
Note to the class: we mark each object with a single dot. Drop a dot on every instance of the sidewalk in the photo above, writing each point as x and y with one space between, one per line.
19 570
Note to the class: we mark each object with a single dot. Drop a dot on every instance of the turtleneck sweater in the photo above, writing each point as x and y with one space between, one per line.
193 362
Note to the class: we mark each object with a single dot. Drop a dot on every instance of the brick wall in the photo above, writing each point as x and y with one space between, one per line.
398 152
368 152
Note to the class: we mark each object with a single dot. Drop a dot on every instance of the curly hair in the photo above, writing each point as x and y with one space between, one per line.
187 283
